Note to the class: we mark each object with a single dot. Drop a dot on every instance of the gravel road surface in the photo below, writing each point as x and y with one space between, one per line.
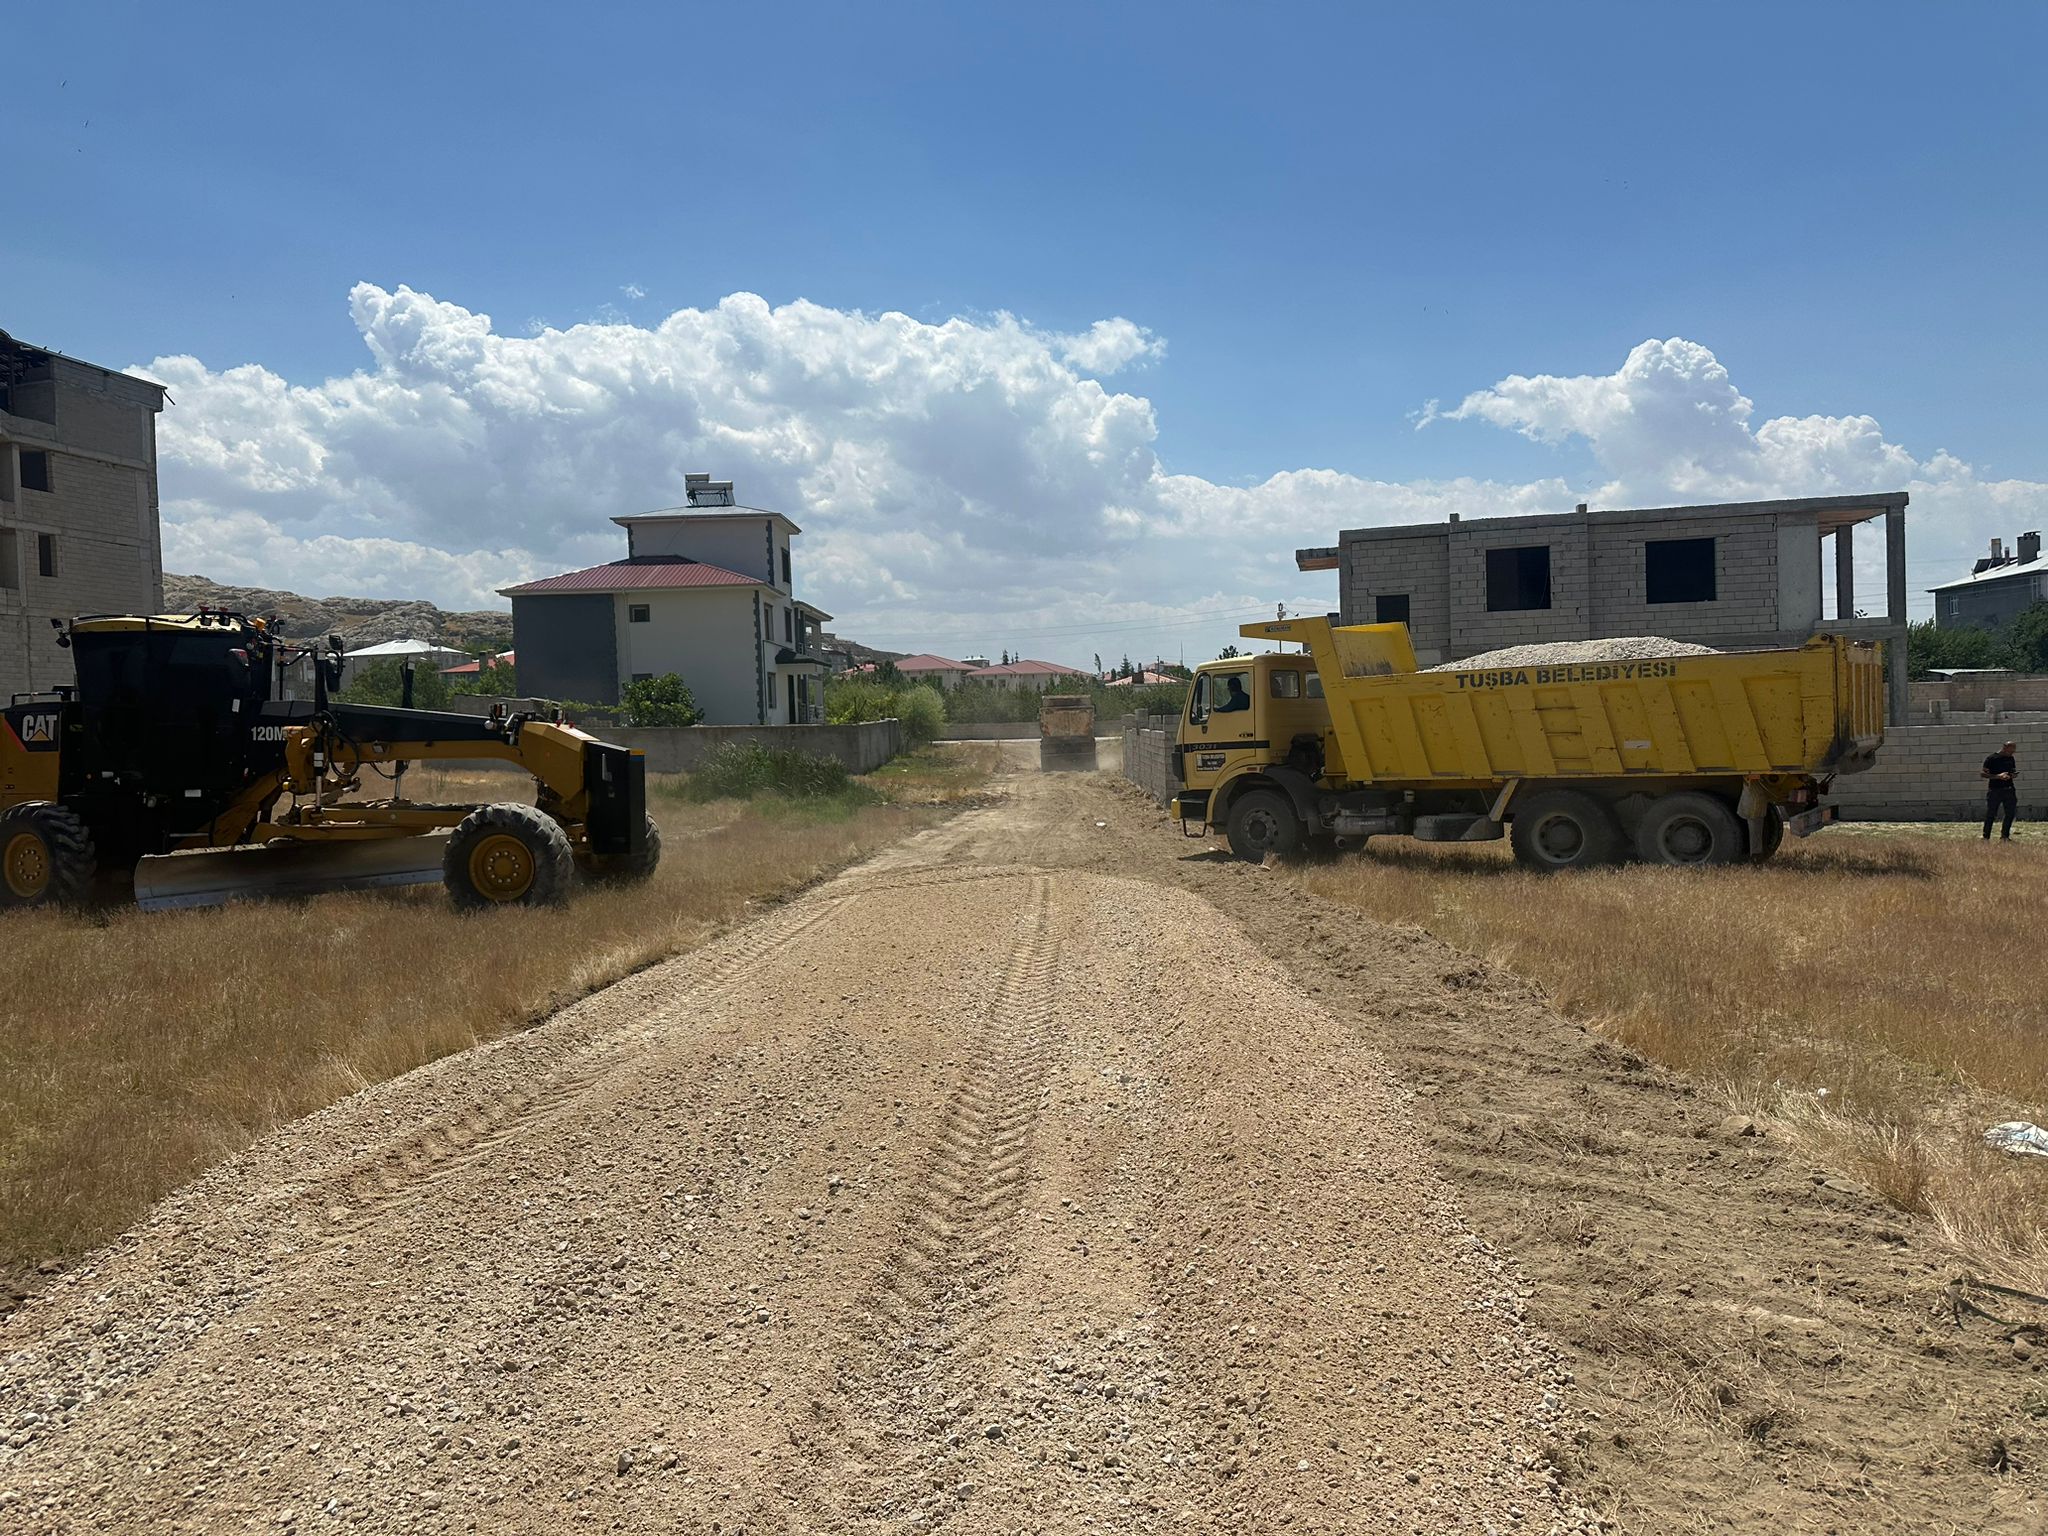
964 1191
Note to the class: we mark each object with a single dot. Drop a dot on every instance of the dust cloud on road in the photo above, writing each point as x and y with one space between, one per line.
966 1191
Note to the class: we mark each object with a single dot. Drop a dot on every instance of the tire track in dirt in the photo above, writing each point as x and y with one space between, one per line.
386 1181
894 1410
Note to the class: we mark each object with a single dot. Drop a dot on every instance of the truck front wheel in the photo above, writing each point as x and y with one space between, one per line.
1262 822
1564 829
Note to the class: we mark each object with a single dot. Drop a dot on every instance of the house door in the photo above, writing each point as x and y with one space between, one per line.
794 684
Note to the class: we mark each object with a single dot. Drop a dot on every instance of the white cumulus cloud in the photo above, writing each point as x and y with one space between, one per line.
1110 345
963 485
1669 425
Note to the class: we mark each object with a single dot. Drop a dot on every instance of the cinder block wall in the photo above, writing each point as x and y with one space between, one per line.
1149 758
2017 692
1929 773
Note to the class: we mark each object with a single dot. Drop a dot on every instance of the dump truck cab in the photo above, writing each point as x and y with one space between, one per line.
1251 722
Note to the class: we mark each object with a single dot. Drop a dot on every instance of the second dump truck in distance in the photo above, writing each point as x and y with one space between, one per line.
1697 759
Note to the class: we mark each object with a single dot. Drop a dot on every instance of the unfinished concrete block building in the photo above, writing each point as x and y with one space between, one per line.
78 505
1731 575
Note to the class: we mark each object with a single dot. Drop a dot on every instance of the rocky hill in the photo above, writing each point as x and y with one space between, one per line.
364 621
359 621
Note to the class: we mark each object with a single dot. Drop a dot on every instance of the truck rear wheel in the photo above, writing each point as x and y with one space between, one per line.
508 855
1264 821
1690 828
1564 829
46 857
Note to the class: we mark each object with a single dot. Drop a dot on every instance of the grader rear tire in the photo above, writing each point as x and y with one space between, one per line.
508 856
46 857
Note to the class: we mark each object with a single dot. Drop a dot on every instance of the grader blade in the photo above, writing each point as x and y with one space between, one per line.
215 877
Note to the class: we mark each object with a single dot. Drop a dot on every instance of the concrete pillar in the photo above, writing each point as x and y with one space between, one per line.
1845 572
1895 611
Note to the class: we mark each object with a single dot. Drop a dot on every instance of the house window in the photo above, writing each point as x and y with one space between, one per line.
643 677
46 554
1518 578
35 470
10 561
1390 608
771 690
785 565
1678 571
789 626
636 613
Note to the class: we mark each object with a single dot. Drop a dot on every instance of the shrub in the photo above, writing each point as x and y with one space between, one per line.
739 770
663 700
922 711
855 701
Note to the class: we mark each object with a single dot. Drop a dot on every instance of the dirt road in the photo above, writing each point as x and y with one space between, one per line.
1045 1173
965 1191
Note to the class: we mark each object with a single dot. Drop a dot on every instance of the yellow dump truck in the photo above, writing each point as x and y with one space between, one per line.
1698 759
1066 733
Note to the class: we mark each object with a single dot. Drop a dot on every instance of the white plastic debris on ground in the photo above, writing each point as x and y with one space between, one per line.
1617 648
2018 1137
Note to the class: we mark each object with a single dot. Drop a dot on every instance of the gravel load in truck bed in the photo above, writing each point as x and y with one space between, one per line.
1618 648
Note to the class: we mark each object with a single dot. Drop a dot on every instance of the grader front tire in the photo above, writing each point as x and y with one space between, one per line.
508 856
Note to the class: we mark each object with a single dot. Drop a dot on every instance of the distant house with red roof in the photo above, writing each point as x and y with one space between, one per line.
941 671
706 590
1024 673
473 666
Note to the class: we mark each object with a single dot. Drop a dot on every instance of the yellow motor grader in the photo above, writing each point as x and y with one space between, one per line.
174 759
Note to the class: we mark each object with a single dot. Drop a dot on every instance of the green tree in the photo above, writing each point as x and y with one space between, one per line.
1228 652
493 680
383 682
1098 663
2025 647
663 700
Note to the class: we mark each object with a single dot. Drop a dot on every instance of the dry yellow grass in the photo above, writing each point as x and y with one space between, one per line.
145 1047
1877 992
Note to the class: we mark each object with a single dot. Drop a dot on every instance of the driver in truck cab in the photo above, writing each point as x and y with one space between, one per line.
1234 697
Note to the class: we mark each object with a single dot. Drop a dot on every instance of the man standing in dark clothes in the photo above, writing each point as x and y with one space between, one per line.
2001 795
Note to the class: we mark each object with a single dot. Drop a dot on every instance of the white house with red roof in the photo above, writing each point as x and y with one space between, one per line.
940 671
706 590
1024 673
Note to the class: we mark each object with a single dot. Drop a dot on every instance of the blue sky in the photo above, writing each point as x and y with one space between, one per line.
1329 215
